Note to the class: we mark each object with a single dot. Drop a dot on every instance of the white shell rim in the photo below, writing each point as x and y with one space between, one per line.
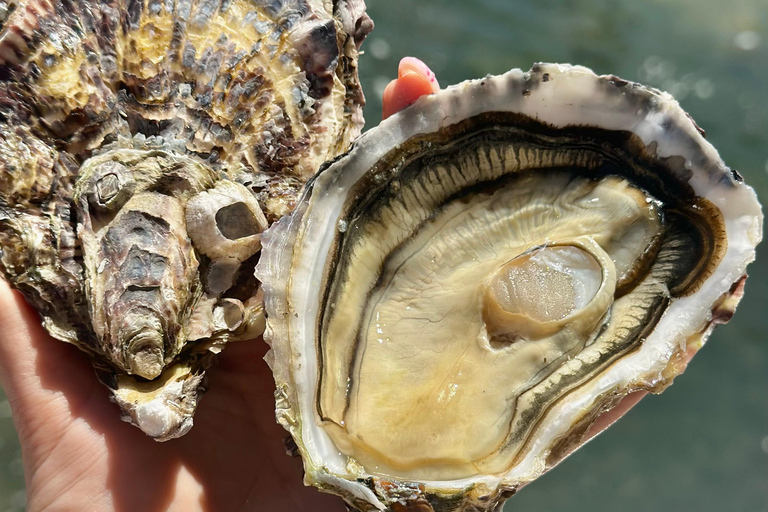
559 95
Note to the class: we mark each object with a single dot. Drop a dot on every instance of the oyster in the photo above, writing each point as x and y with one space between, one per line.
455 301
144 147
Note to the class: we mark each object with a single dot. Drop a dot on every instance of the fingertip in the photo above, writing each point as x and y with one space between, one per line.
414 65
415 80
403 92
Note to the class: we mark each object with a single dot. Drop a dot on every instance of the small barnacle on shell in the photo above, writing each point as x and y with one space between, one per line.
144 147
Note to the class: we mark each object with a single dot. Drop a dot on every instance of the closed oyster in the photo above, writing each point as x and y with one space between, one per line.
144 147
455 301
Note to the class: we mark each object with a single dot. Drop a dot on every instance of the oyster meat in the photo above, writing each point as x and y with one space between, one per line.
455 301
144 147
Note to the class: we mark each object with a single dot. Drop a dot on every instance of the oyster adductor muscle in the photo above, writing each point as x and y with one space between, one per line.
144 147
455 301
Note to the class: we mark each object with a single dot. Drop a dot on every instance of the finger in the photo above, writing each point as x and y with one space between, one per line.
413 65
414 80
608 418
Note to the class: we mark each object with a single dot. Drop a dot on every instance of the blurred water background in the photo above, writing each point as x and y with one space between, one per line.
703 445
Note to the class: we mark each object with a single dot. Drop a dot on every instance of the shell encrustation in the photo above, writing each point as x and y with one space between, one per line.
456 300
144 147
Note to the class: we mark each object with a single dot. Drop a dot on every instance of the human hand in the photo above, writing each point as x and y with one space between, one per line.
78 455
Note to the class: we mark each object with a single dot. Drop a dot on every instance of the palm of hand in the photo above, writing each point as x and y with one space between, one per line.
78 455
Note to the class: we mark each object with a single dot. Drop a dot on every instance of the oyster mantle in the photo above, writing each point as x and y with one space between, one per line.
144 147
491 269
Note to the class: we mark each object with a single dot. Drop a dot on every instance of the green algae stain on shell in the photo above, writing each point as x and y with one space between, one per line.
144 147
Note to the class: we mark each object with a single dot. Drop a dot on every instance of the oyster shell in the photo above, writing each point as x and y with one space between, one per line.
454 302
144 147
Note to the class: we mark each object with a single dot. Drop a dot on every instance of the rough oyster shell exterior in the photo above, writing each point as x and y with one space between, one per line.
306 247
144 146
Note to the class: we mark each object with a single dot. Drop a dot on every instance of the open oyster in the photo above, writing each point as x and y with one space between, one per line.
455 301
144 147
